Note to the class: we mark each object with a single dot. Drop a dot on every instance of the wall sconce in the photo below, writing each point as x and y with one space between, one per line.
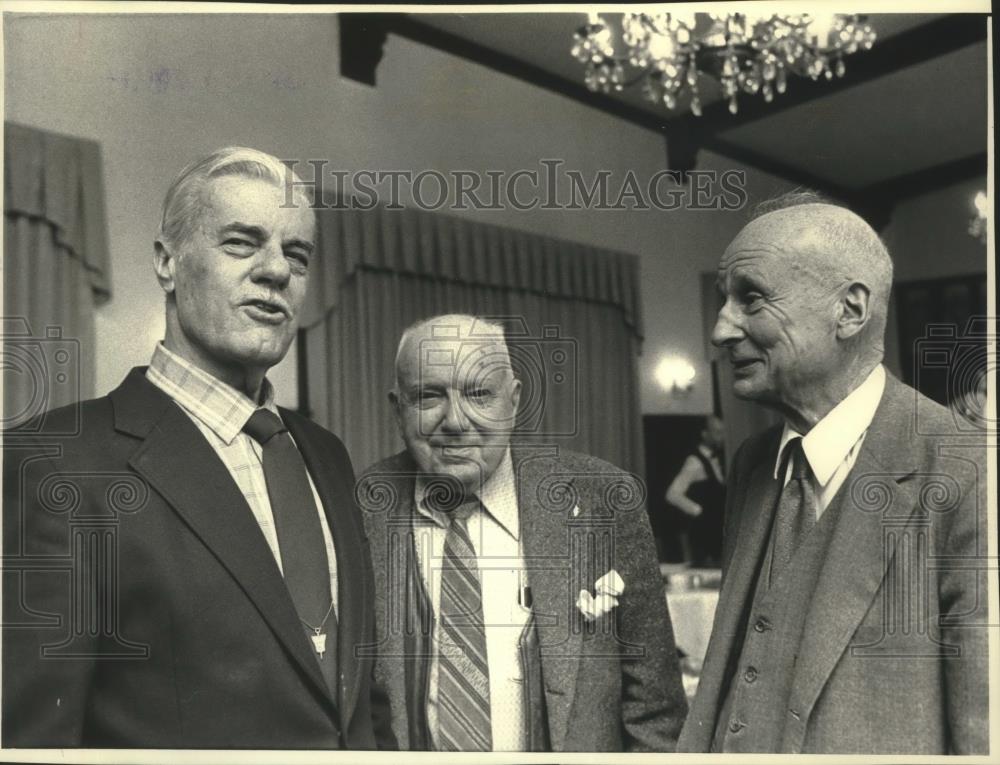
675 375
977 226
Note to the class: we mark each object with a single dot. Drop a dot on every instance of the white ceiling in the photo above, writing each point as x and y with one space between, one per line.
912 119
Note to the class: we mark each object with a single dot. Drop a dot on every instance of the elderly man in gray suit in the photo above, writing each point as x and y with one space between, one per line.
853 610
519 606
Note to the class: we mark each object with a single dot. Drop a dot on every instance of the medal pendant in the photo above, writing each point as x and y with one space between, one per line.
319 643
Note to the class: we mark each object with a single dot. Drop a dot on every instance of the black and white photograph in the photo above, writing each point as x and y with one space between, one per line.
557 382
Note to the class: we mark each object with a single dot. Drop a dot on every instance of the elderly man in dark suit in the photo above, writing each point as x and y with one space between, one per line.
519 606
185 567
853 610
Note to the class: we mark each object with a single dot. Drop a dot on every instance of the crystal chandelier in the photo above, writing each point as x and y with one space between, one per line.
742 51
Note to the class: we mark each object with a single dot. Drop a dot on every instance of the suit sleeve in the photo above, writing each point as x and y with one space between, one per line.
653 700
377 696
963 593
381 716
380 704
44 697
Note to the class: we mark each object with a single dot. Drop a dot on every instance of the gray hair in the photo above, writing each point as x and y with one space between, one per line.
794 198
183 199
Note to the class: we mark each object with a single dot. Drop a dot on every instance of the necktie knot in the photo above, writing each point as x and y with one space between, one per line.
263 425
463 511
797 459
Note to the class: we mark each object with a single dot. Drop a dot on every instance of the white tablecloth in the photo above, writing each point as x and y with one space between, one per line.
691 613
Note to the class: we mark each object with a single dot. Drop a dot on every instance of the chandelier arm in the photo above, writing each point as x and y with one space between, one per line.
740 52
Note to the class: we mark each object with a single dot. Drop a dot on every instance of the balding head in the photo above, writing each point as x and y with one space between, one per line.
442 331
840 244
807 290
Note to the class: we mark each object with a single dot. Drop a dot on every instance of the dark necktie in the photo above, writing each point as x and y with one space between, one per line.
300 537
463 672
796 513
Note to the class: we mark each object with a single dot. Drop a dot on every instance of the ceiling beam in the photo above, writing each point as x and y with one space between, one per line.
775 167
939 37
687 133
410 27
928 179
362 39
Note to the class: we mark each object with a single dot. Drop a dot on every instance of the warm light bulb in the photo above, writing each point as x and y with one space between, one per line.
982 204
661 46
675 373
820 28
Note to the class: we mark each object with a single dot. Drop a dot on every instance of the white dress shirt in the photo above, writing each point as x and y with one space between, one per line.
832 445
495 537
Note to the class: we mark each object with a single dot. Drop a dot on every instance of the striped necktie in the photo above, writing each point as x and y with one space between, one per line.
463 672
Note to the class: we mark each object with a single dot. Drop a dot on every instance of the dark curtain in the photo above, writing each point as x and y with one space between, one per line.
571 313
55 269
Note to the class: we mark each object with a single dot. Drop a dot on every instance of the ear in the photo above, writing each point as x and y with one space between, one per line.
515 395
164 264
855 310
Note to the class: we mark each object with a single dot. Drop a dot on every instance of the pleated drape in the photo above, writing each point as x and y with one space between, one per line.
55 269
572 315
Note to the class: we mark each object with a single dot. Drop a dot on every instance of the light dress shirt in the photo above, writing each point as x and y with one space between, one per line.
832 445
495 535
220 412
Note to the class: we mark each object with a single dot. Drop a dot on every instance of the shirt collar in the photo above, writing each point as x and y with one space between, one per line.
219 406
830 440
498 497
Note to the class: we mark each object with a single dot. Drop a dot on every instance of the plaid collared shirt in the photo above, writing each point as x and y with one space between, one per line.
220 412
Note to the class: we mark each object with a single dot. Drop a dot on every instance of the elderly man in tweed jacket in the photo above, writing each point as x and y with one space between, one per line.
518 602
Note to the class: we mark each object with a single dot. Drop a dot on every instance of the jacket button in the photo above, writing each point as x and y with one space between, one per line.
750 675
761 625
735 726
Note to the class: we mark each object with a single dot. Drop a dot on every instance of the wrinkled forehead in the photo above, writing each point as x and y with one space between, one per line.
456 357
756 244
776 248
237 192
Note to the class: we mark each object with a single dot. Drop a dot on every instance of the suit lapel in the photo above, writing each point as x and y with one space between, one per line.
181 465
546 549
876 493
755 511
352 599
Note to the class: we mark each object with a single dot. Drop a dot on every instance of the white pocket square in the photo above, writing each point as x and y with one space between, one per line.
607 590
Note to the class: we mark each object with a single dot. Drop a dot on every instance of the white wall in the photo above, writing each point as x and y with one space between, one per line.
155 91
928 235
928 238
